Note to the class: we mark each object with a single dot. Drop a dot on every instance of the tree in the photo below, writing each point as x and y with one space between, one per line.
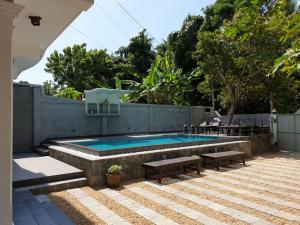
221 10
183 43
50 88
164 84
80 68
23 82
241 55
134 60
217 59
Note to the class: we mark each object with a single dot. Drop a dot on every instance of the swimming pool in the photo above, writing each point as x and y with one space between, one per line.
103 146
131 142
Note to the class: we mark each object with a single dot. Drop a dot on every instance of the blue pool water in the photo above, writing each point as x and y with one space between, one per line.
131 142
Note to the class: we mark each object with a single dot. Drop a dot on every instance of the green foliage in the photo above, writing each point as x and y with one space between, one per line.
241 56
182 43
50 88
78 67
69 92
164 84
135 59
115 169
23 82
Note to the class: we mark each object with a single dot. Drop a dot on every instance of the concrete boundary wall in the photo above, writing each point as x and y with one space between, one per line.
288 127
23 118
53 117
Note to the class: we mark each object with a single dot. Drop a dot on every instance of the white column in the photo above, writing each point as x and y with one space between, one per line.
8 11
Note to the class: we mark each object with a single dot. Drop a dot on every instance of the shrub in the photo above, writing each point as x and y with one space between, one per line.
115 169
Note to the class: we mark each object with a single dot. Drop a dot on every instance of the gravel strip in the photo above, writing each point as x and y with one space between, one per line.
207 211
77 212
282 165
175 216
277 174
293 187
117 208
259 214
270 168
242 177
244 185
273 177
246 197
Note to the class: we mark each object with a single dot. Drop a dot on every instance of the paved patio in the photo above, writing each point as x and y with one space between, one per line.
266 191
32 166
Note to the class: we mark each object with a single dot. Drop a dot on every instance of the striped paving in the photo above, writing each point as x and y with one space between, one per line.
265 209
236 180
193 214
105 214
265 192
252 177
223 186
291 177
269 178
210 204
143 211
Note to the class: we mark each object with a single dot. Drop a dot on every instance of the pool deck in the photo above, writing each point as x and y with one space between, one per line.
33 166
29 169
265 192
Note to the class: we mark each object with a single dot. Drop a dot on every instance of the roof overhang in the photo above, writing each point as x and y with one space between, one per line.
30 42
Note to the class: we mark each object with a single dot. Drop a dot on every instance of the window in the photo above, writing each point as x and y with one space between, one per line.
92 108
114 109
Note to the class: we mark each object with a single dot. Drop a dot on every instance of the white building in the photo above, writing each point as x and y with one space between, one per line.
27 28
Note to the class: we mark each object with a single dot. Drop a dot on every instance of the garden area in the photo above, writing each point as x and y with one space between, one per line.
239 57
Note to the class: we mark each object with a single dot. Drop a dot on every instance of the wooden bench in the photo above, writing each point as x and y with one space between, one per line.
192 162
218 157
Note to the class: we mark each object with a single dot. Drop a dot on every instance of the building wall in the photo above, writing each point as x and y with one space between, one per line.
43 117
23 118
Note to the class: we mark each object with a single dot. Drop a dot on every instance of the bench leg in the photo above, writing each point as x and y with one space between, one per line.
218 164
184 169
159 176
198 169
204 163
243 159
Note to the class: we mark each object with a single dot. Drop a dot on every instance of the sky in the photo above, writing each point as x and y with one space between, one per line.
95 28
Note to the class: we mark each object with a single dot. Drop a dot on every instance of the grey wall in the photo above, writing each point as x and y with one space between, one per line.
141 118
23 118
288 127
39 117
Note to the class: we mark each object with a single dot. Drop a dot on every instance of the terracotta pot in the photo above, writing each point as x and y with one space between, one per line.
113 180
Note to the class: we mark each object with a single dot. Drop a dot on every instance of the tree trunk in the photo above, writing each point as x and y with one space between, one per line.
234 103
213 99
231 112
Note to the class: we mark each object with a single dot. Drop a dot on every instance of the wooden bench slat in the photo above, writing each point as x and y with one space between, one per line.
166 162
192 162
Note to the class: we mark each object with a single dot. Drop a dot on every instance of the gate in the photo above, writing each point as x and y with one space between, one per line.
288 128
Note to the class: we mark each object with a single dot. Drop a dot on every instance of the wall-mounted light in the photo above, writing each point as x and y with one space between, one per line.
35 20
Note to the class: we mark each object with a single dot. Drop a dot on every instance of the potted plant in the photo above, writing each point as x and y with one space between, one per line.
113 175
